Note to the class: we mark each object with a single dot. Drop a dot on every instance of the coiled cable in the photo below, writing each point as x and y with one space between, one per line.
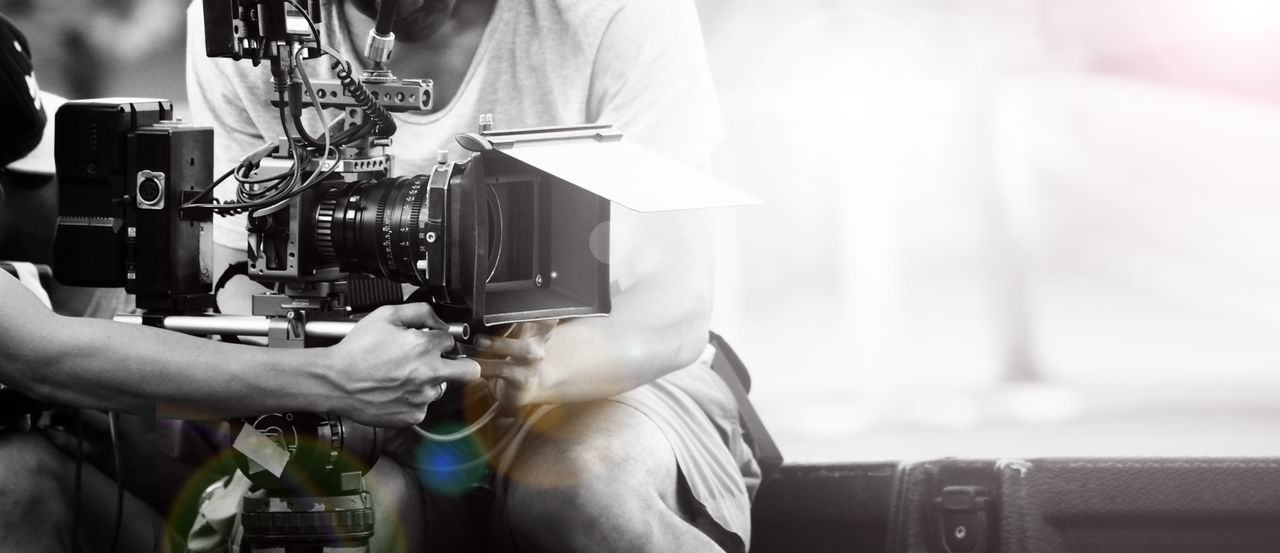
384 125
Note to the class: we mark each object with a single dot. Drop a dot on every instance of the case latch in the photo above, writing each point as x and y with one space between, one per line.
962 518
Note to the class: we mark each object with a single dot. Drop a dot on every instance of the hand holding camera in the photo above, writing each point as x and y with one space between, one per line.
512 359
389 367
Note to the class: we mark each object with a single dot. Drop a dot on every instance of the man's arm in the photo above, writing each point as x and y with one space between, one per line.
651 80
658 325
383 373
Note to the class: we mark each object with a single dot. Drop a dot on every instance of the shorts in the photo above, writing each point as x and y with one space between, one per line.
698 414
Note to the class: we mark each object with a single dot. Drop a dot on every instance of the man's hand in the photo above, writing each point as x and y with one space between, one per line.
387 370
513 359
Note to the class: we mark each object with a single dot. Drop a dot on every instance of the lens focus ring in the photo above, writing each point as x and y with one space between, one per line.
324 229
374 228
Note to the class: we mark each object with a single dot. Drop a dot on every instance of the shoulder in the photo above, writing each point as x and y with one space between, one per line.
579 22
586 15
569 12
586 24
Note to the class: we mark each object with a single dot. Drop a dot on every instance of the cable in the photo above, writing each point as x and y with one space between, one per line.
384 125
506 439
193 201
243 177
386 16
75 511
246 197
280 200
475 426
342 138
315 104
295 108
346 136
502 444
112 421
249 197
283 199
232 270
253 157
295 153
315 33
267 195
469 430
302 157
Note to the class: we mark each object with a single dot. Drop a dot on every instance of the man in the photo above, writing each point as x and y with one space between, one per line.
384 373
626 440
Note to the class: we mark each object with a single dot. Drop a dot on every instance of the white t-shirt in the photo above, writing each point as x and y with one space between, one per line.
636 64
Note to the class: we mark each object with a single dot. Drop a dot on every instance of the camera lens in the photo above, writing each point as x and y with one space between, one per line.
379 227
408 230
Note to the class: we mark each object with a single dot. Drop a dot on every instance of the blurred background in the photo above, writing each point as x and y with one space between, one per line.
994 228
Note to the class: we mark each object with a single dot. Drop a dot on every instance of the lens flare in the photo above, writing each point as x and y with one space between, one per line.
451 468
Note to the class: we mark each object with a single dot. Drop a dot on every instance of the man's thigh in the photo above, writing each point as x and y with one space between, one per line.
42 479
29 478
588 452
600 445
594 473
590 474
399 520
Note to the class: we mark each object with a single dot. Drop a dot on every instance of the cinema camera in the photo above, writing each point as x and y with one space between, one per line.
515 232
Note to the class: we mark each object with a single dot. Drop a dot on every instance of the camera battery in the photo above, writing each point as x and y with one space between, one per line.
167 249
91 156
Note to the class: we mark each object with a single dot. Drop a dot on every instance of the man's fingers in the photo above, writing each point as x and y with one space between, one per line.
506 395
530 329
541 328
458 369
415 315
499 368
435 390
437 340
499 347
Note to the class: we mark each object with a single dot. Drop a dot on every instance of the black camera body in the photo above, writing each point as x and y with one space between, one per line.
487 240
125 167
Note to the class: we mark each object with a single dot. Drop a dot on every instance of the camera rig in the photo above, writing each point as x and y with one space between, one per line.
515 232
488 239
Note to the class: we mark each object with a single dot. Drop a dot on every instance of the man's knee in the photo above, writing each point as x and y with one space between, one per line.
33 477
398 507
601 465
